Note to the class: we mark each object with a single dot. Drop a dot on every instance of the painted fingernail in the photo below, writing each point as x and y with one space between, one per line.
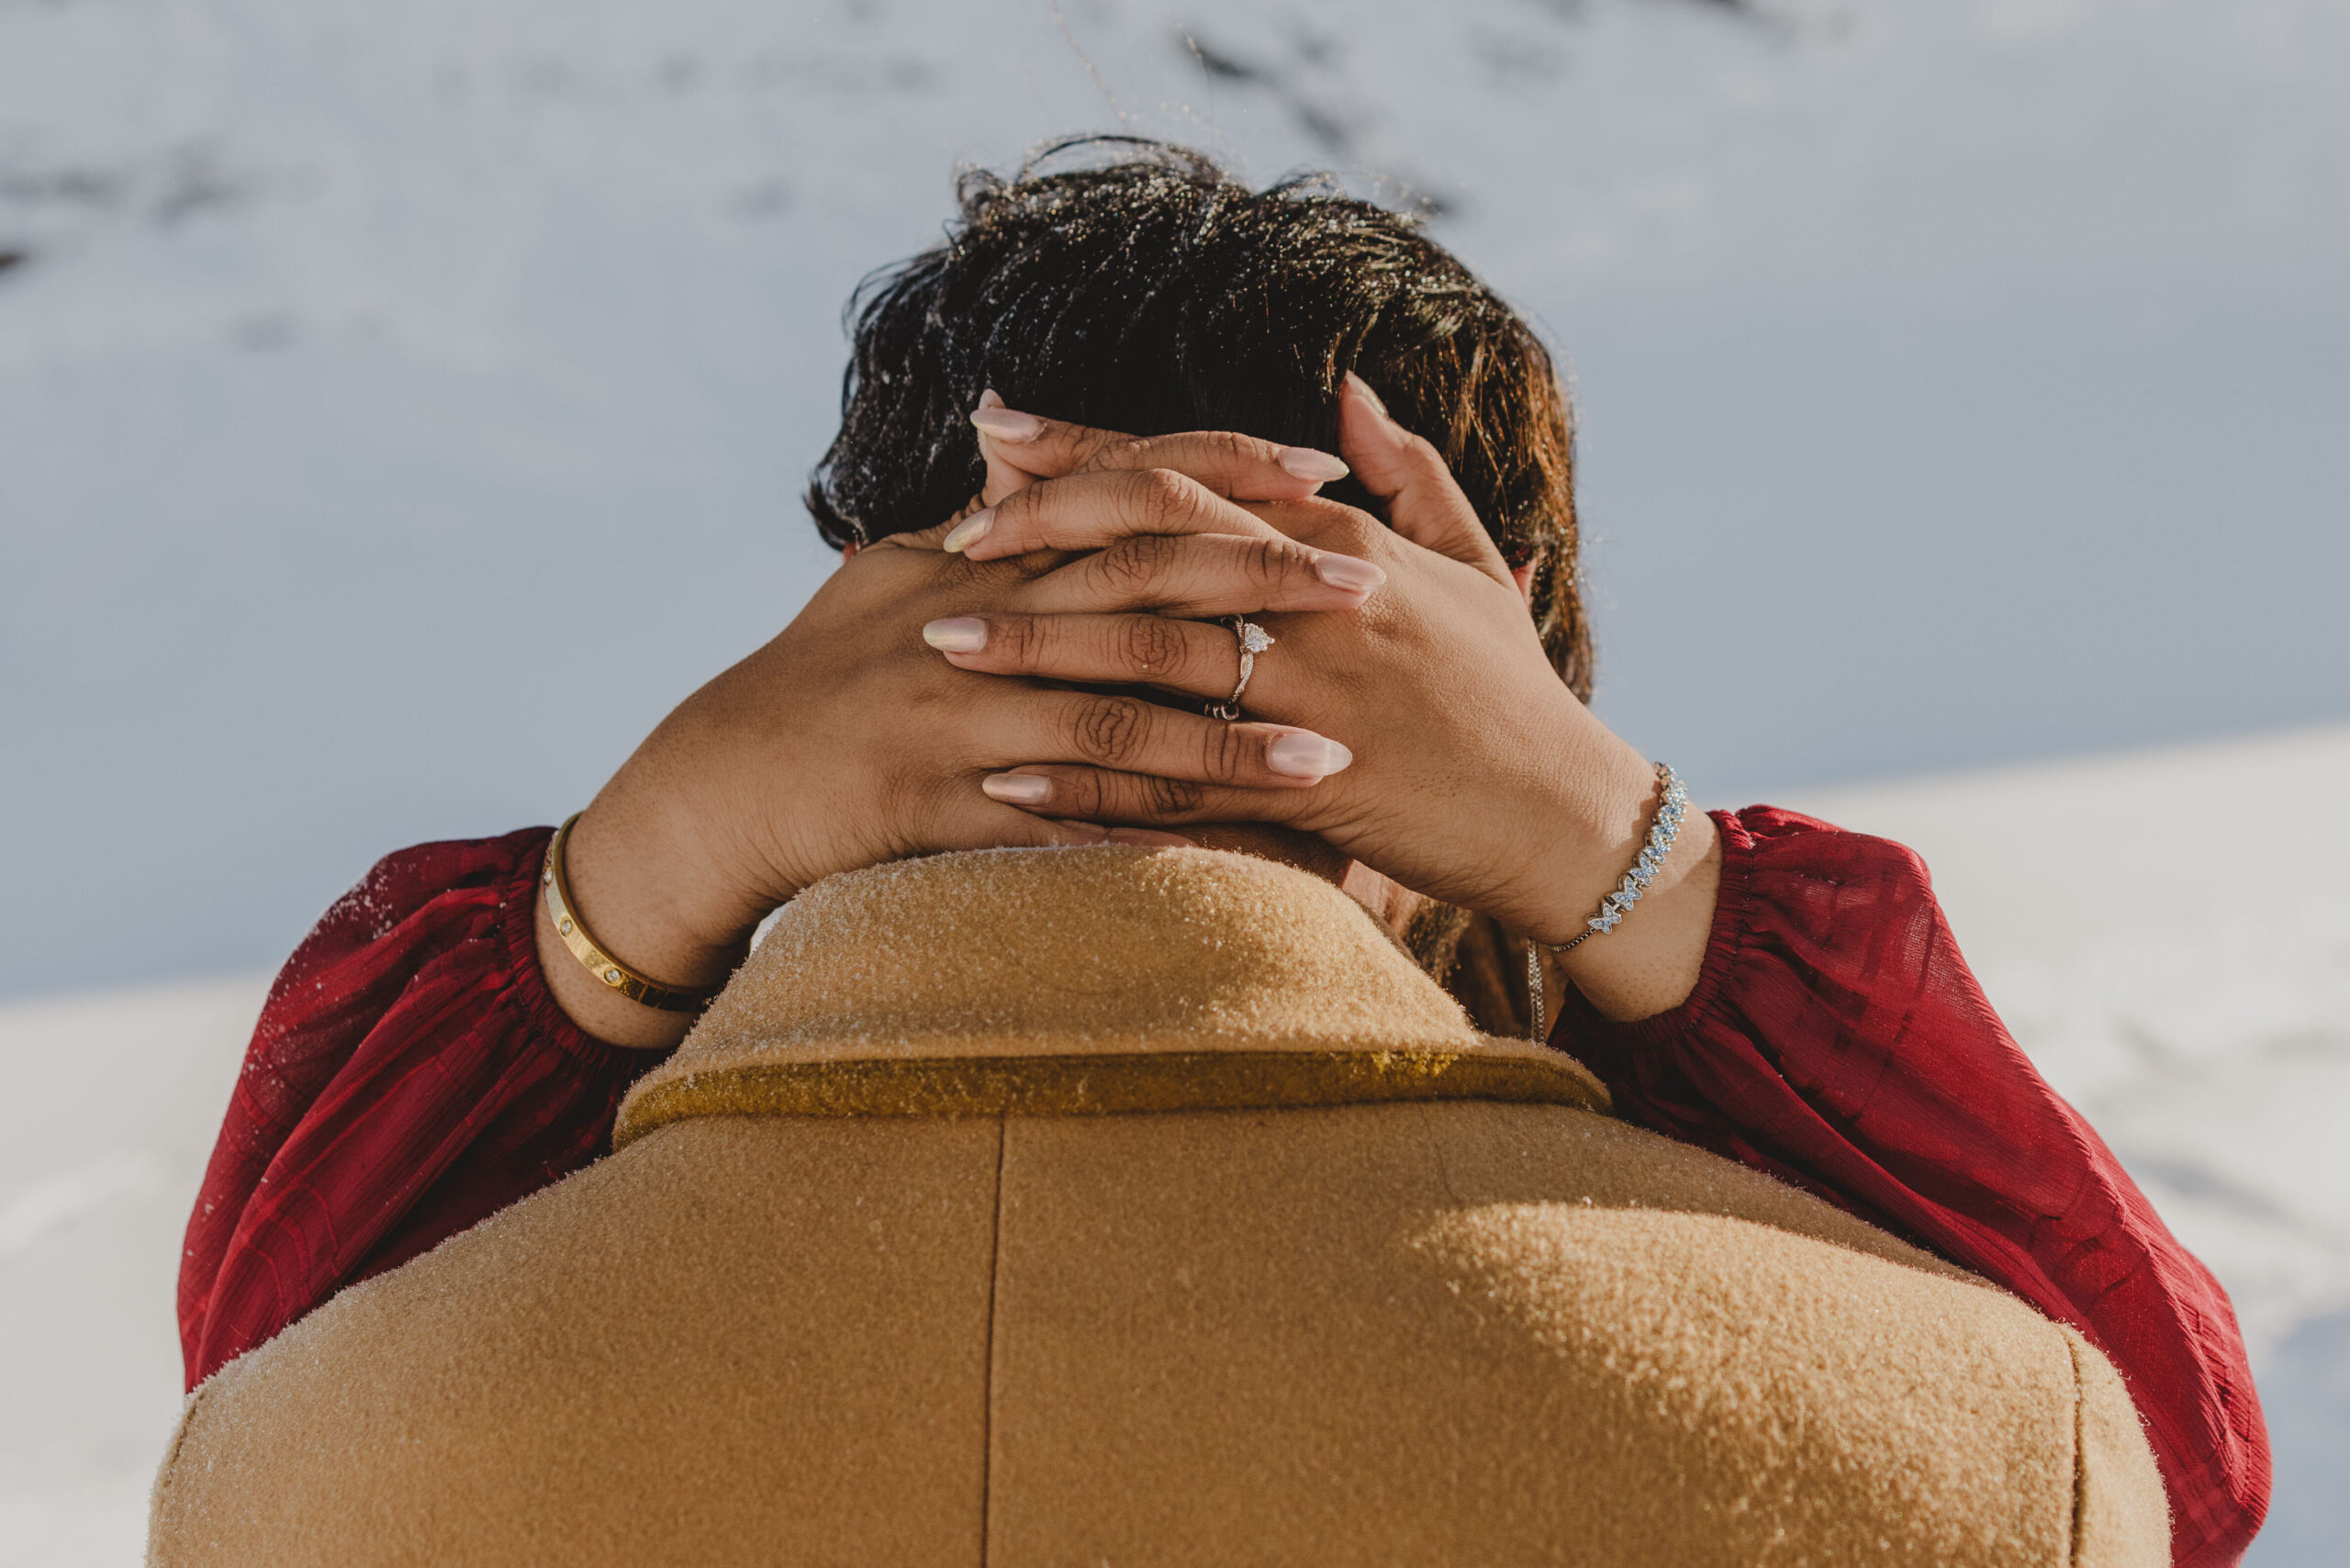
1346 572
1302 754
1308 464
968 532
956 634
1359 385
1008 424
1019 789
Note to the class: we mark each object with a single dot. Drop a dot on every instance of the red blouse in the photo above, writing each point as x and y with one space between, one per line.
411 1074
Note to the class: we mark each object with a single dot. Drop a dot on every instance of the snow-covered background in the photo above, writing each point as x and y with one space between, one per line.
401 406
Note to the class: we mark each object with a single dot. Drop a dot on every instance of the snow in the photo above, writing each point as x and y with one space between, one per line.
2206 1032
120 1097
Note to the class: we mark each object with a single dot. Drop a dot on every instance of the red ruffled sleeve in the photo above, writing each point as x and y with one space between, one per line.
411 1075
1837 1040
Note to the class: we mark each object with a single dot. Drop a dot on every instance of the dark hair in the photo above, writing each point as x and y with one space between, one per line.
1134 286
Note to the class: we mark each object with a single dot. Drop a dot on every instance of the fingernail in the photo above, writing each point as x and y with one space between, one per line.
956 634
1018 789
1007 424
1363 386
968 532
1349 573
1302 754
1308 464
991 399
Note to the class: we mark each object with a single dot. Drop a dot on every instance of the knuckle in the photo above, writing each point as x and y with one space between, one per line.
1164 495
1135 563
1170 797
1018 638
1234 450
1019 511
937 699
1271 563
1154 646
915 799
1224 752
1086 795
1120 452
1110 730
1349 532
1165 485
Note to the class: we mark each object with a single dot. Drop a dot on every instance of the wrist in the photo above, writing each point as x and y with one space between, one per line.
639 884
601 1012
1599 812
1596 815
651 890
1652 961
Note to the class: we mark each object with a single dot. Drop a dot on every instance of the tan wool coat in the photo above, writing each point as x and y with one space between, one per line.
1141 1207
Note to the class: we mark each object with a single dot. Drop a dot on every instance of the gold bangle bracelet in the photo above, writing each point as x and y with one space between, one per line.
591 953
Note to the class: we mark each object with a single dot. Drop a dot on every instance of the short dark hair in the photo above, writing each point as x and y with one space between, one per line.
1134 286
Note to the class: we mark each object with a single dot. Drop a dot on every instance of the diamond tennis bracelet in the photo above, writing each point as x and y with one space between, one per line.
1618 904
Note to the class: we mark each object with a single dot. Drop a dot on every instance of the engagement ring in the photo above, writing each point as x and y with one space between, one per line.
1254 640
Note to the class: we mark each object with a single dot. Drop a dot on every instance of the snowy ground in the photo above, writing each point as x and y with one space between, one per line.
122 1095
2205 1028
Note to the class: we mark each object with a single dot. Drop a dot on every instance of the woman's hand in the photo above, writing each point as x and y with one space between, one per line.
846 742
1477 777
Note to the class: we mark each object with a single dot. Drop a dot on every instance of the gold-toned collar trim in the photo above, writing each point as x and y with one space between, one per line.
1111 1085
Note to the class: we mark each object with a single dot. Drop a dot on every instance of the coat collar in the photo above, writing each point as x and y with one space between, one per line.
1075 981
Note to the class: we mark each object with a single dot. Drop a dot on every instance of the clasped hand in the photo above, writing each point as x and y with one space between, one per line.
1464 761
983 683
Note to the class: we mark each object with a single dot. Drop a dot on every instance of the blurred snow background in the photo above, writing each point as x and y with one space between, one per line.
1962 381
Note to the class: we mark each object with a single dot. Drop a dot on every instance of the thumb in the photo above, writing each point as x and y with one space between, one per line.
1002 476
1424 504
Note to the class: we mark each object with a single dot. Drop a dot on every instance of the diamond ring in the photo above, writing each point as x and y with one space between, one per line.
1253 640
